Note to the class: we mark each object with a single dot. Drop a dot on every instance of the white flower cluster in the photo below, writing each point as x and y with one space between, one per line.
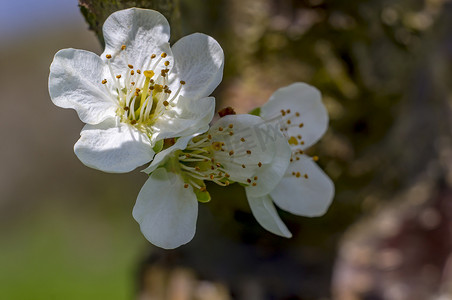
144 101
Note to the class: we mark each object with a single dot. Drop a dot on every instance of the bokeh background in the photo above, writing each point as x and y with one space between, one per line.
384 68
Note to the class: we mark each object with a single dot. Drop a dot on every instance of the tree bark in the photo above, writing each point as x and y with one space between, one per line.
97 11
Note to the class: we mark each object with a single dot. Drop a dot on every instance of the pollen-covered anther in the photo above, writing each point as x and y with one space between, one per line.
130 66
216 146
163 55
166 63
132 72
118 76
104 81
123 47
108 56
293 141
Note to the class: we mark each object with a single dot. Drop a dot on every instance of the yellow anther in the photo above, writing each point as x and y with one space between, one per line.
231 152
298 174
132 83
118 76
216 146
306 176
220 128
186 185
163 55
288 111
123 47
242 139
301 125
288 122
297 158
133 122
158 88
166 63
209 136
297 114
231 133
126 108
227 175
153 56
108 56
315 158
248 151
130 66
231 125
259 164
104 81
248 180
165 103
293 141
243 166
138 71
182 82
254 184
132 72
255 177
148 73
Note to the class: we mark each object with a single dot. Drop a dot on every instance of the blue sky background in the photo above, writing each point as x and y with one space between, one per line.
20 19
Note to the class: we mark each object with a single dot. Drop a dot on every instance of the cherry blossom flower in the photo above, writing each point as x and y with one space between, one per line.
305 190
139 92
237 148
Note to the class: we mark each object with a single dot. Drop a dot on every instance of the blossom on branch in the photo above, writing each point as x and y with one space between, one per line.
304 190
139 92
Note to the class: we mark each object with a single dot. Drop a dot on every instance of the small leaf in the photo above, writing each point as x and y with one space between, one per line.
255 112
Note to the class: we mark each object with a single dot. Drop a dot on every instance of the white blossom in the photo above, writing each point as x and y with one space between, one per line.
139 91
237 148
305 190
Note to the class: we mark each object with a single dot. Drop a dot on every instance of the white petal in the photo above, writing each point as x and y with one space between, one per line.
307 101
166 211
189 116
258 138
143 31
75 81
302 196
111 147
199 61
161 157
269 175
266 215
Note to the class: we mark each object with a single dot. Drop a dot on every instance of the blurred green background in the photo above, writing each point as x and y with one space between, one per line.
384 68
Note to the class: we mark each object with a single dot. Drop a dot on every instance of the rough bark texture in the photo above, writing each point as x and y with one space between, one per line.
96 11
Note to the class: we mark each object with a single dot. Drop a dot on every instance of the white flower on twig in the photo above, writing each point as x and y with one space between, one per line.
237 148
139 91
305 189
